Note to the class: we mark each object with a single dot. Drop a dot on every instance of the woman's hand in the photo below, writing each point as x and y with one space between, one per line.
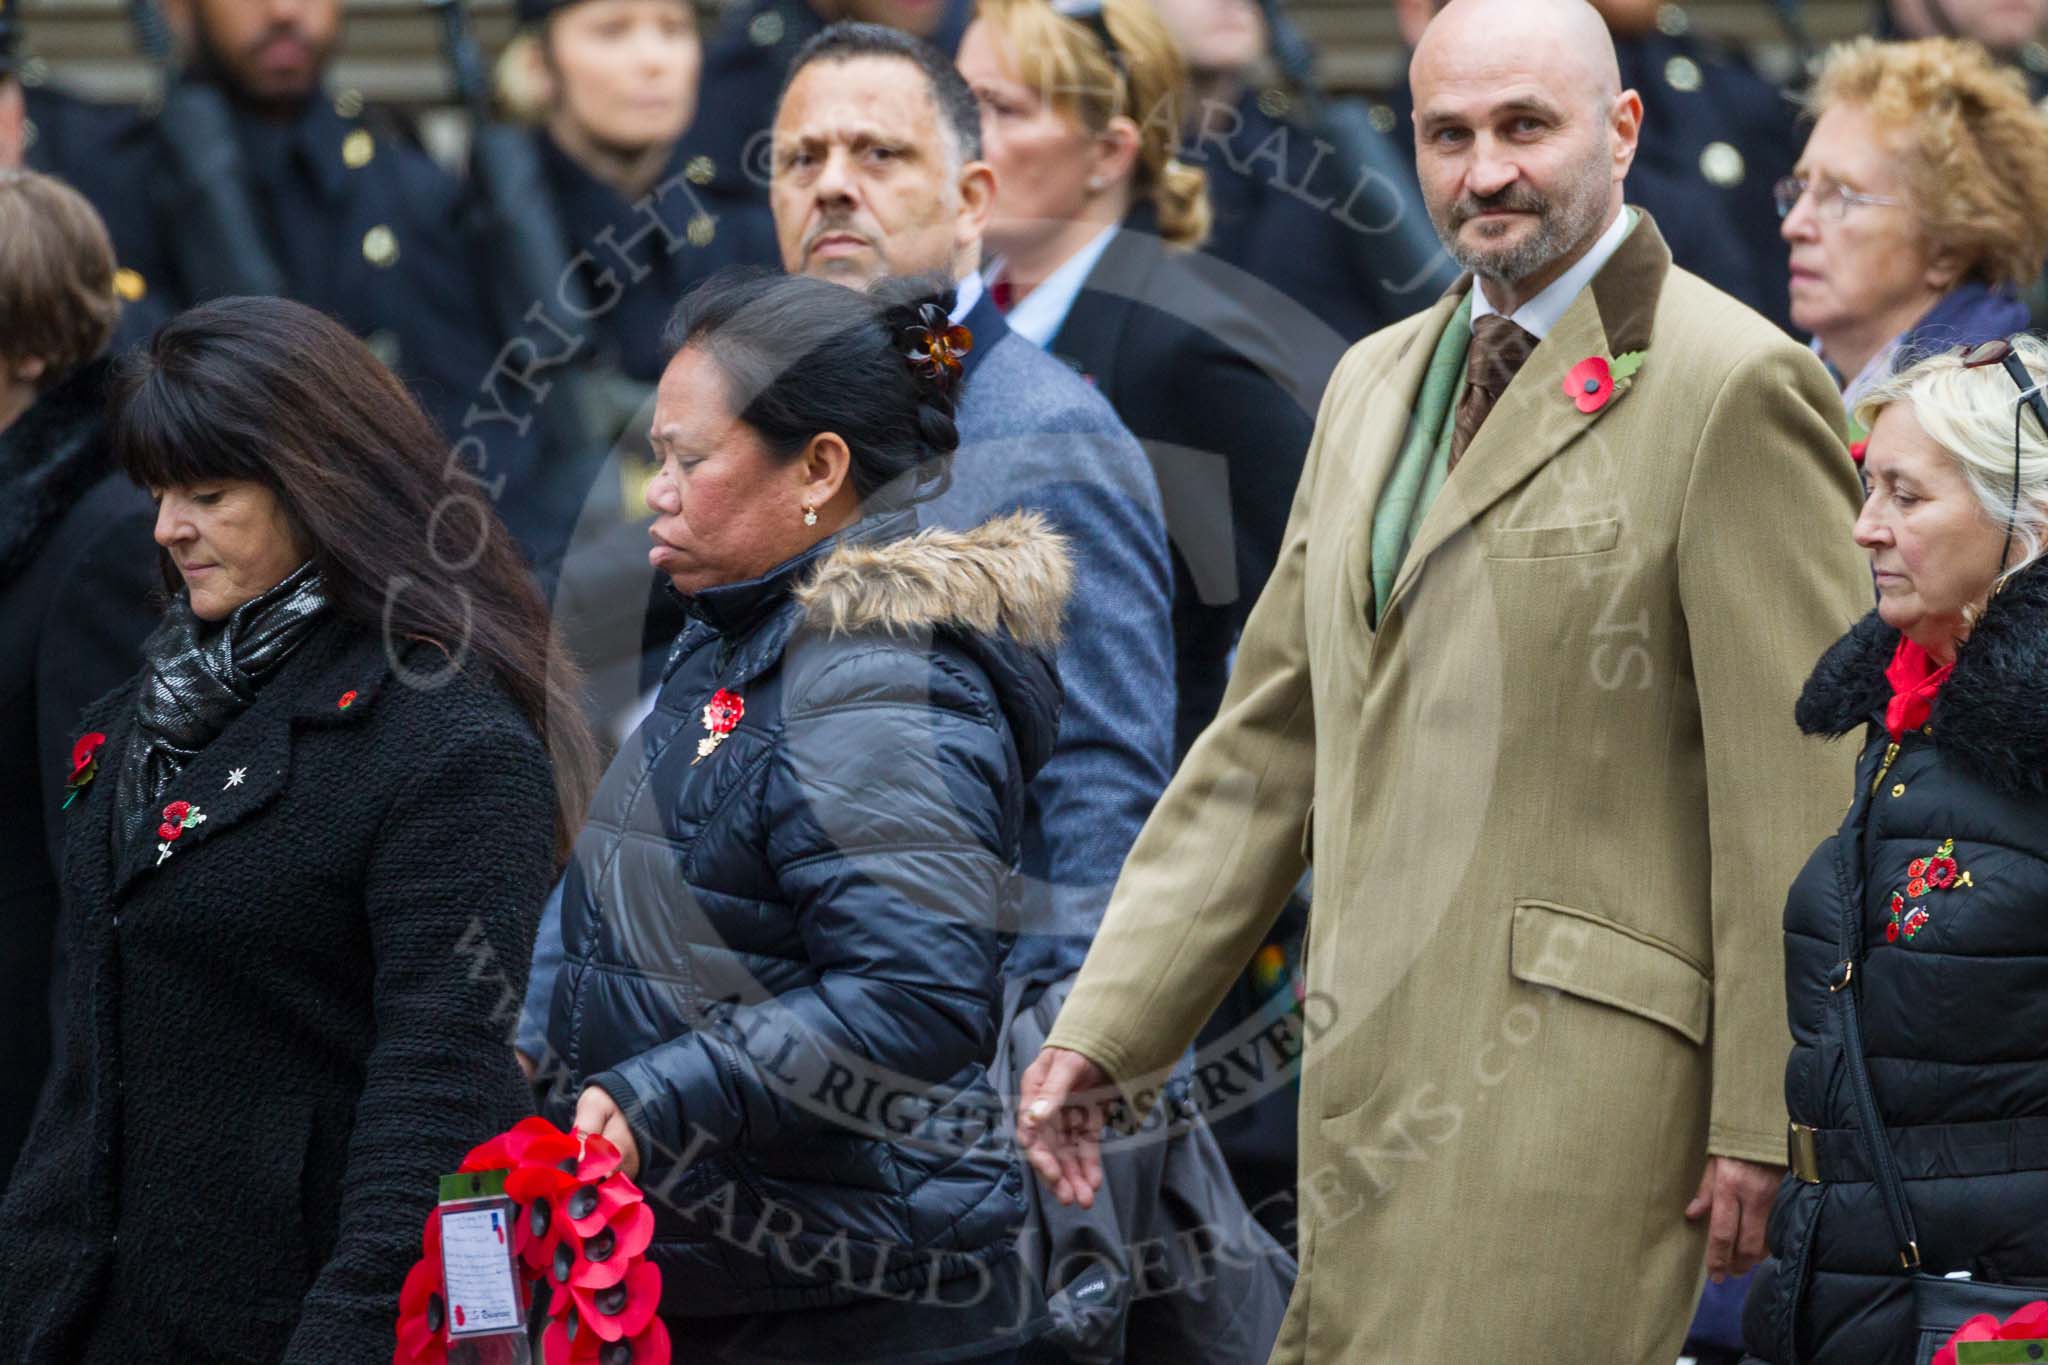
598 1113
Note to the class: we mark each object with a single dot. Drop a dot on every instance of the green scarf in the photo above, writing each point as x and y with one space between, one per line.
1425 458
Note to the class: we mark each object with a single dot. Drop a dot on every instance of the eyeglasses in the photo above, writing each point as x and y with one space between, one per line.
1089 14
2001 352
1830 201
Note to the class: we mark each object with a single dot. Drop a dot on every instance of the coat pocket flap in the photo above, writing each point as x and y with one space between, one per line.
1596 959
1551 542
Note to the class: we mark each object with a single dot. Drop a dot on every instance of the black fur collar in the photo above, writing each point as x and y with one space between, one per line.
48 458
1991 718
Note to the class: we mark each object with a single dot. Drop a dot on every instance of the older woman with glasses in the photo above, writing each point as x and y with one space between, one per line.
1916 943
1918 209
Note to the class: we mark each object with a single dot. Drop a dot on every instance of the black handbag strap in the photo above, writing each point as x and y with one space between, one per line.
1846 989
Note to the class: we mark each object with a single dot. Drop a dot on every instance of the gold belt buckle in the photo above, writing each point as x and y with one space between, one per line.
1805 1161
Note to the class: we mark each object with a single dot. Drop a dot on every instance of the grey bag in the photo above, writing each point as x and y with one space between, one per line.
1170 1265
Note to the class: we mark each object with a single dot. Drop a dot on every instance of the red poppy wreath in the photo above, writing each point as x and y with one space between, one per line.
583 1227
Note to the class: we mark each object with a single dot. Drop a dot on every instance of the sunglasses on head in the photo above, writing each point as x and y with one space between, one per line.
2001 352
1089 14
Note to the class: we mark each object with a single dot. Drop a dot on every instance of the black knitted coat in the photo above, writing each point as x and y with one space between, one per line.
1944 854
283 1032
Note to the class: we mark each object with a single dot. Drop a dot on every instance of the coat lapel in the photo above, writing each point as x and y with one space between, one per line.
1535 418
1383 448
247 765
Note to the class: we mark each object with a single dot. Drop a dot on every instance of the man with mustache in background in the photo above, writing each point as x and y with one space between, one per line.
1521 687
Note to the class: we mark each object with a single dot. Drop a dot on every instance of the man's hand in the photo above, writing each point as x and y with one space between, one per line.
598 1113
1735 1198
1062 1141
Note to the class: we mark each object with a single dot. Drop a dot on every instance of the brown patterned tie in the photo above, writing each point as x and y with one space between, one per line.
1499 348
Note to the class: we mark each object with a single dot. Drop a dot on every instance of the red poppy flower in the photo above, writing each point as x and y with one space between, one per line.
422 1315
1898 903
590 1207
1891 932
722 714
1943 873
622 1309
348 699
568 1342
169 831
1590 384
176 812
604 1258
1916 888
1917 868
529 1139
1915 922
1857 451
84 752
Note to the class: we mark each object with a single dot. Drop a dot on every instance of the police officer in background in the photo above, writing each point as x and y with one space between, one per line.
349 214
614 84
751 53
1716 136
86 143
1283 202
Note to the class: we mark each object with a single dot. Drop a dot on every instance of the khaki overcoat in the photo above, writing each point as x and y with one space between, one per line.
1553 803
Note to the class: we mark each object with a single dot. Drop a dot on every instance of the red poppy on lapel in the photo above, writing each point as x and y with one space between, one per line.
85 765
1591 382
348 699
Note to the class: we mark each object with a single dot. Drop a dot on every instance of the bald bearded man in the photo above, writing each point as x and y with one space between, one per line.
1521 689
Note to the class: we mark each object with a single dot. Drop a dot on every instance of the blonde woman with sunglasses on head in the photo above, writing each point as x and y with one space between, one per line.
1916 947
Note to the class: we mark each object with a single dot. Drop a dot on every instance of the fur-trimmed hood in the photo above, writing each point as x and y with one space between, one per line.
1011 575
48 458
1991 717
998 591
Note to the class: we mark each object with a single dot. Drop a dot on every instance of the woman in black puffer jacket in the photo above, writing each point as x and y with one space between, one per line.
1944 856
783 926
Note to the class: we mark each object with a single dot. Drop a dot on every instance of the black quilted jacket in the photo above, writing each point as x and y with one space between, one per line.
1952 886
782 948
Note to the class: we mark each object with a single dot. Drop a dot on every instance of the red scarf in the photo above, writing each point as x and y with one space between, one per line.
1915 682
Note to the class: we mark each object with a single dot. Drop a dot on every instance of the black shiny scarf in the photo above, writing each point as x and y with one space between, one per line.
202 674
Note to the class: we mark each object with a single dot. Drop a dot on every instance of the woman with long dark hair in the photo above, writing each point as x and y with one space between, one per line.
305 843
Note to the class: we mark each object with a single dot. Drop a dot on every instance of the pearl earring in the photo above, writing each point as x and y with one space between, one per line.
810 516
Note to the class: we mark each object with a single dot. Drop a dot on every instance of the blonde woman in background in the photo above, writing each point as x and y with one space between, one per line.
1095 224
1919 209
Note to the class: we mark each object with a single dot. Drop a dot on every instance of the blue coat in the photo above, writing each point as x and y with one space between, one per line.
783 948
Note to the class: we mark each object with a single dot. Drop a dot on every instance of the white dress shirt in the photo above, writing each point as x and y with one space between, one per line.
1538 315
1042 312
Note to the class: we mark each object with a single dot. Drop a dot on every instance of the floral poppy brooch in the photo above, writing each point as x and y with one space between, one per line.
721 717
179 816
